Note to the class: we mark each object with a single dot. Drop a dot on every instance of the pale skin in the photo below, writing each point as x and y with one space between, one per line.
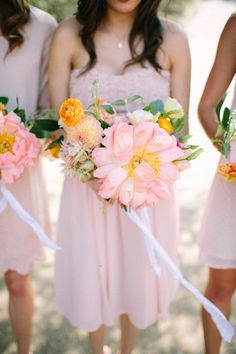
222 282
20 308
115 26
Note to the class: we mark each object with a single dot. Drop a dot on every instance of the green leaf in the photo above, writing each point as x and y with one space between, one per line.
4 100
134 98
184 138
39 133
156 106
104 125
108 108
226 116
219 106
178 125
220 130
48 125
21 113
119 103
56 142
192 147
195 154
225 148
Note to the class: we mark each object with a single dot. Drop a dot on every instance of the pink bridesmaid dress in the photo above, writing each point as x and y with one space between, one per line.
23 75
218 230
103 269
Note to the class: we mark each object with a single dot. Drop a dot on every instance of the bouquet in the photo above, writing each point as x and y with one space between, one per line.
135 157
20 148
225 141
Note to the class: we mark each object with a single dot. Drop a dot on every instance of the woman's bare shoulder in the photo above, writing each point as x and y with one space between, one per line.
67 30
173 30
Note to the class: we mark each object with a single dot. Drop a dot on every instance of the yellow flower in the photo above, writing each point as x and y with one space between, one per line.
6 143
164 123
228 171
71 112
2 106
55 151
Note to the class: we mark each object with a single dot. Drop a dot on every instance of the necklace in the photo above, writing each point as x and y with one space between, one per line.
120 45
120 42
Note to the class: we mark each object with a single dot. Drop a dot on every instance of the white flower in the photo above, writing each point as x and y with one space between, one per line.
139 116
173 107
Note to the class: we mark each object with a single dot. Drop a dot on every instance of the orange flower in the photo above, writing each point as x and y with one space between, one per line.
228 171
100 101
71 112
2 106
55 151
164 123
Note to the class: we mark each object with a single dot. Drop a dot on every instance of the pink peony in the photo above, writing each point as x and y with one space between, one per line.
18 147
136 164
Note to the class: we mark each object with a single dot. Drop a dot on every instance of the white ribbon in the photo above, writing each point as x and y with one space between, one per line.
8 198
154 249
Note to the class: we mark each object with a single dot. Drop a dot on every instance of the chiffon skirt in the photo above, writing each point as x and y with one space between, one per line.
103 269
19 246
218 231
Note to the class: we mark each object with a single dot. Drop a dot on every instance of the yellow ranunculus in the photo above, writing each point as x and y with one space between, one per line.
71 112
2 106
164 123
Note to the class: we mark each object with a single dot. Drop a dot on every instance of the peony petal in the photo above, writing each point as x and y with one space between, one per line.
169 172
102 156
126 191
171 154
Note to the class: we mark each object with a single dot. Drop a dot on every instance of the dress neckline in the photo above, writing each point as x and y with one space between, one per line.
143 71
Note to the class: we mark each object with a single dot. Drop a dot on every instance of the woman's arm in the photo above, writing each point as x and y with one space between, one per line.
60 63
179 62
221 75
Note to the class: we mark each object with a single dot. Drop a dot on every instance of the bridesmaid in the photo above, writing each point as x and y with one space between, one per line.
103 270
218 241
25 33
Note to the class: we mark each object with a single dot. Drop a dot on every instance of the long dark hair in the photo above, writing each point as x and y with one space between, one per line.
146 25
14 14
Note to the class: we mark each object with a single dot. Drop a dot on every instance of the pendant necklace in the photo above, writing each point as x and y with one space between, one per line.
120 45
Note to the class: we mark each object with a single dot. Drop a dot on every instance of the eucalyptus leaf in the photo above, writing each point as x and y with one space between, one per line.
119 103
134 98
156 106
108 108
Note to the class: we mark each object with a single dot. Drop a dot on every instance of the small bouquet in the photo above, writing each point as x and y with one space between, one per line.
135 157
20 148
225 140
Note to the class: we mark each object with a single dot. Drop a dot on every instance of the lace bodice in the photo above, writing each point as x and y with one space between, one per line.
147 83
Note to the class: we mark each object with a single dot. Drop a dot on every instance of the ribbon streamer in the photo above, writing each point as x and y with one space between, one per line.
155 250
8 198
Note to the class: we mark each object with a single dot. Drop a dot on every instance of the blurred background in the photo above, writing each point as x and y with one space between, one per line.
181 333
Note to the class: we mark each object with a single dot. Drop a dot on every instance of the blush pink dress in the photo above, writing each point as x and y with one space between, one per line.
23 75
218 230
103 269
